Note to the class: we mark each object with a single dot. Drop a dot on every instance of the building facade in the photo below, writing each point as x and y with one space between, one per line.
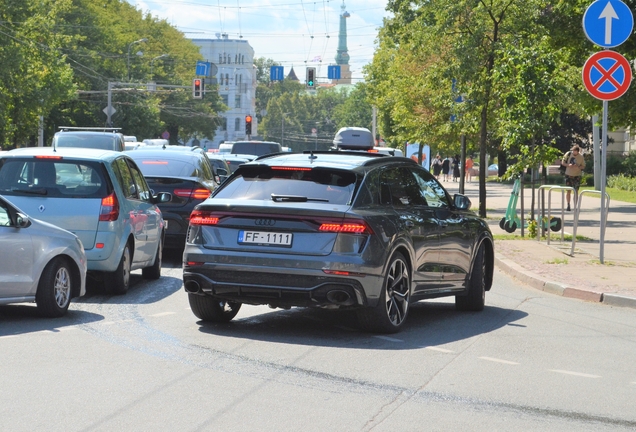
236 79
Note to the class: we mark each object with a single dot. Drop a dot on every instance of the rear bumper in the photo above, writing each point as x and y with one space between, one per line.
280 287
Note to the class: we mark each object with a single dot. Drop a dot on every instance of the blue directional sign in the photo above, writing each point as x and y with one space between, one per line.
333 72
276 73
608 23
202 69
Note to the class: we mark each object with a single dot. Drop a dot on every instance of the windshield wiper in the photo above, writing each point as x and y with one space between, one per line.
39 191
295 198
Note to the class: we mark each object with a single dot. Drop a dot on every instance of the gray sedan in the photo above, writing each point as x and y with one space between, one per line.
39 262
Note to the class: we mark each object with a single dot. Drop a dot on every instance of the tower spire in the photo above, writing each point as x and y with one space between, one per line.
342 56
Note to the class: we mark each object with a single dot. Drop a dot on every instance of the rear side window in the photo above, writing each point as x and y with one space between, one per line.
256 148
53 178
293 185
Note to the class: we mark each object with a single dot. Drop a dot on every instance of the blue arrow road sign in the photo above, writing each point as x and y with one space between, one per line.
608 23
276 73
333 72
202 69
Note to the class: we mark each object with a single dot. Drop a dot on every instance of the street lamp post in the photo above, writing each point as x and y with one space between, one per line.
152 64
128 56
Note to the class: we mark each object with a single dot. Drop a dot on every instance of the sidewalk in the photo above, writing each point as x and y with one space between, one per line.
549 267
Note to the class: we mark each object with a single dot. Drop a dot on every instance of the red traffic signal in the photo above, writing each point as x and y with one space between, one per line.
248 124
197 88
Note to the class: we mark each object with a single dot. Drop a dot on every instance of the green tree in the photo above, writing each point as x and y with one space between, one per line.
34 75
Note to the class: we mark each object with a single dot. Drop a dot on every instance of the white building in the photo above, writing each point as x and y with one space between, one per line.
236 78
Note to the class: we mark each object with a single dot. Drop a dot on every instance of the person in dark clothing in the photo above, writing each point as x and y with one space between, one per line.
437 166
446 168
456 168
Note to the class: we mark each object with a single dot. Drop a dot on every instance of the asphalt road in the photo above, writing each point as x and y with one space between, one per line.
141 362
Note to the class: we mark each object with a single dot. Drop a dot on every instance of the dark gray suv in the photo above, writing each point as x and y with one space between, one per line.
335 230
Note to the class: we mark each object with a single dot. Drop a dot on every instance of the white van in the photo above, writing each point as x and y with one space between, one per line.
225 147
388 150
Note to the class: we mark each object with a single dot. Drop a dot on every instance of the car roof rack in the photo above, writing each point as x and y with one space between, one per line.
97 129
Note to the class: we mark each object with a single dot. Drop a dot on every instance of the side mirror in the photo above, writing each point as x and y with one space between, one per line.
222 178
22 221
163 197
221 172
462 202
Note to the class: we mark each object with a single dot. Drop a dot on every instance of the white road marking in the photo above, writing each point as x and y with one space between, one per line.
575 373
496 360
160 314
433 348
390 339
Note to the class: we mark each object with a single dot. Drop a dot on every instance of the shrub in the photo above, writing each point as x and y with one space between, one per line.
622 182
629 164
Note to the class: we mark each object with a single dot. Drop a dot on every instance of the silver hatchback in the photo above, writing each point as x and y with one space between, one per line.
99 195
39 262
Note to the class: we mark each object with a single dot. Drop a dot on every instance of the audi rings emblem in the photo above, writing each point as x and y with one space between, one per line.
265 222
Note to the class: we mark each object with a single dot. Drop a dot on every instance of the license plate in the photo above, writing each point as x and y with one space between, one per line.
265 238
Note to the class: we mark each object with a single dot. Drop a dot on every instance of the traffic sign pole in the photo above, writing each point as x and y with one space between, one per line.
606 74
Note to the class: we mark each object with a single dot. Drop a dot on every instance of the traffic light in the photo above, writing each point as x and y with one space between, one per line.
198 88
248 125
311 77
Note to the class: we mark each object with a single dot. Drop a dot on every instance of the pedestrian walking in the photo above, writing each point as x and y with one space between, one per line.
437 166
574 164
446 168
456 173
469 168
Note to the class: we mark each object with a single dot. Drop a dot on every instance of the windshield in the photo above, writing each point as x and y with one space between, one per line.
318 184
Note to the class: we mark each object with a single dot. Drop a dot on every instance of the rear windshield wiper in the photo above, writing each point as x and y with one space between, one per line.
295 198
38 191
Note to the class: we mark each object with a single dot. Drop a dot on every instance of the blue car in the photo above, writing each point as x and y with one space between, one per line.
99 195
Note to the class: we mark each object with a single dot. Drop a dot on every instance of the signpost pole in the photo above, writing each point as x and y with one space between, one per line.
603 181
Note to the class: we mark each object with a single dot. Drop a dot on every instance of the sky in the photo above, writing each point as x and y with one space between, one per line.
294 33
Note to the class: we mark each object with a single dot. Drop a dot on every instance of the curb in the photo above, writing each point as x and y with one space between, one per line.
529 278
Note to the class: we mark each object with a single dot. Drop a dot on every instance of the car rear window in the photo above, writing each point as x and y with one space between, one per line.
168 167
256 148
52 178
292 184
104 142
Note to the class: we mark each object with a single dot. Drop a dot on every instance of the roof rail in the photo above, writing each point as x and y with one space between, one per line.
97 128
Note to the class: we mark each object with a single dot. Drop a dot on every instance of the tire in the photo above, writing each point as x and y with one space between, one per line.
54 289
118 282
390 314
555 225
212 309
476 298
502 222
154 271
510 226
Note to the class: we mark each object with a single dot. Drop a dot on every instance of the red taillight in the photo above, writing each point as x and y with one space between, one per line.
285 168
110 208
198 217
192 193
357 227
201 194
